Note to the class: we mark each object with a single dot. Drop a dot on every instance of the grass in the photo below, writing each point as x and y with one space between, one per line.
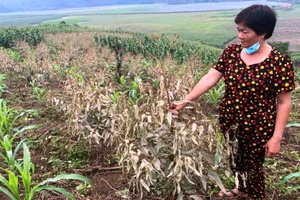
203 27
294 13
69 20
25 20
214 28
295 56
125 10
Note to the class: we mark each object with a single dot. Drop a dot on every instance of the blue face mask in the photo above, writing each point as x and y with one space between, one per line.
253 48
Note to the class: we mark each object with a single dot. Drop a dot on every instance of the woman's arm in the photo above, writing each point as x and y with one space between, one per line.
283 112
206 82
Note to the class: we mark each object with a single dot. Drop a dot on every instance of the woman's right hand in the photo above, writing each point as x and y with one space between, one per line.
175 106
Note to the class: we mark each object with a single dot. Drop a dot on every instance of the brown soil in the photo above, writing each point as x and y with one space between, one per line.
107 177
54 149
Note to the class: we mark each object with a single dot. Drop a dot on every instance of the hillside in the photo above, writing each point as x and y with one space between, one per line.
98 100
40 5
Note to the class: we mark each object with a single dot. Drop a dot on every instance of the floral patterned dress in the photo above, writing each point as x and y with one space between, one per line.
248 110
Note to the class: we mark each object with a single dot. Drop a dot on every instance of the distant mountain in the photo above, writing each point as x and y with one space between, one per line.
41 5
38 5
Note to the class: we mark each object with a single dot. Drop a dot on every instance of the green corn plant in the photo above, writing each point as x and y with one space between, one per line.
7 38
8 117
38 92
75 73
8 132
122 80
133 90
10 155
215 94
155 47
14 54
26 170
156 83
7 144
115 97
146 64
3 86
287 178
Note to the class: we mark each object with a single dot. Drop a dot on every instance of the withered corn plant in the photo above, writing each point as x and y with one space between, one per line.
163 155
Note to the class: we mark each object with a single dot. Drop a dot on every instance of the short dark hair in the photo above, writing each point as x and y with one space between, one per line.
260 18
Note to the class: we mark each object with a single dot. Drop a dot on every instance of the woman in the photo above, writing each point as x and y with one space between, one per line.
257 100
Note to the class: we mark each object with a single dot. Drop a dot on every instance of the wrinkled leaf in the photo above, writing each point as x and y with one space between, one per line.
145 185
214 177
194 197
204 182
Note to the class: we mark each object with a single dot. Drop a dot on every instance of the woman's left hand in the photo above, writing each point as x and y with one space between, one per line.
272 147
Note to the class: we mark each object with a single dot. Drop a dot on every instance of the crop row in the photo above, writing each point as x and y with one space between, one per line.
158 47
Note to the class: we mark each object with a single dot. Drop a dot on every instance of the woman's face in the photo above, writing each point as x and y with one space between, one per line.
247 36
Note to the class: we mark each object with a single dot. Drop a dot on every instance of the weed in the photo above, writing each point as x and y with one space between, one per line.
32 113
123 193
78 156
83 188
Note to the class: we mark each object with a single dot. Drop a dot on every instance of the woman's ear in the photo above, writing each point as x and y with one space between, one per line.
262 37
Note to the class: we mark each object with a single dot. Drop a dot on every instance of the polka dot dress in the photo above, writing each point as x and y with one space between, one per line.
249 105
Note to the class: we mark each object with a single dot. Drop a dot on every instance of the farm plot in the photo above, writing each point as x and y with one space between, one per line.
102 103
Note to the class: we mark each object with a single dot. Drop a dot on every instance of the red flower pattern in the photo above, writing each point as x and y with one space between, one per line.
249 104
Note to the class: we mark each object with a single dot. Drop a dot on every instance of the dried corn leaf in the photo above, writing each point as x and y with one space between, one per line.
134 161
206 156
194 197
194 127
204 182
169 118
227 173
236 179
193 138
214 177
144 185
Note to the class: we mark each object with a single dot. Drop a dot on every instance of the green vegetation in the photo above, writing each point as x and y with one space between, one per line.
157 48
9 36
214 28
24 169
25 20
205 26
32 35
294 175
112 89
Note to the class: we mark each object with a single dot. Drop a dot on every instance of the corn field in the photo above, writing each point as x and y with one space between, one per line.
115 88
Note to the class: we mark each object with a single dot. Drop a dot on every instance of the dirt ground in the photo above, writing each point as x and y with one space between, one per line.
107 177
